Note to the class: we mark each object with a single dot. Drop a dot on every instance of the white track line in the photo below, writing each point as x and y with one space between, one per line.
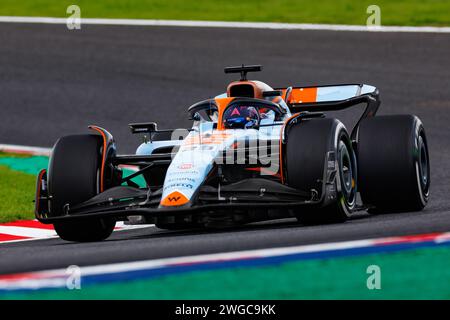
57 277
34 234
27 232
226 24
37 151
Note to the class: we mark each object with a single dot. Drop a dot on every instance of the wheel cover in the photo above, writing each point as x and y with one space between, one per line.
347 173
423 163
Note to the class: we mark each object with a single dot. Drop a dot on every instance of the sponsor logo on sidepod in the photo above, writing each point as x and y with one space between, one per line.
180 185
185 166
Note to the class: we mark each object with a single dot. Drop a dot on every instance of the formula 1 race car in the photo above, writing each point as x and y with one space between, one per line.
253 153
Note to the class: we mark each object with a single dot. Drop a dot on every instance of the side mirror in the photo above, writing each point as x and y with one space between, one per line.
146 127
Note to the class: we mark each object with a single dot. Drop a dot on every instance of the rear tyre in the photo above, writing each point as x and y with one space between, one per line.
393 163
308 144
73 177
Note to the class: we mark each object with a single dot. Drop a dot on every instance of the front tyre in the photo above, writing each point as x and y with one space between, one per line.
311 146
73 177
85 231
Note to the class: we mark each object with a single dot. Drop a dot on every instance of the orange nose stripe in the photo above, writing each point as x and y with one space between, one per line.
174 199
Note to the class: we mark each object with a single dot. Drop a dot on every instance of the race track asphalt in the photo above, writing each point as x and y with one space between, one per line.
55 82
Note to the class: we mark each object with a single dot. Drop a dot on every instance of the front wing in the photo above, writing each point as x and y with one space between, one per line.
248 195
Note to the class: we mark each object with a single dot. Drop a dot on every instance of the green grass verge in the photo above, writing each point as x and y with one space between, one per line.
404 275
17 185
17 193
398 12
9 155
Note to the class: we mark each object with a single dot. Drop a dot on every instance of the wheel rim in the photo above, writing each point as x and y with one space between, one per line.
347 172
346 169
423 163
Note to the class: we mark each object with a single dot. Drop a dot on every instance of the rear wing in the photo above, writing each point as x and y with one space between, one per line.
329 97
332 98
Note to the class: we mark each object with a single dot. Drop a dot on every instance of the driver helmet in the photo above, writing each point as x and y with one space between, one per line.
241 117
